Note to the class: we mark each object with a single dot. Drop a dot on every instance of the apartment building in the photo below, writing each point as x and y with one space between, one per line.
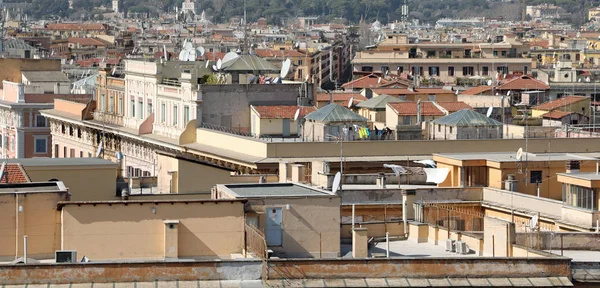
445 62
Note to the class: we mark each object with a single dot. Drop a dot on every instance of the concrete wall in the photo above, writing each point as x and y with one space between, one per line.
85 182
522 201
560 240
311 227
498 237
136 231
38 219
182 176
229 105
375 229
12 67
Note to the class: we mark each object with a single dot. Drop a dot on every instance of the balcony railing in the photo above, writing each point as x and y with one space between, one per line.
109 118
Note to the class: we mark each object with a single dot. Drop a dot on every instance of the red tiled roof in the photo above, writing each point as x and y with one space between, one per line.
556 114
88 41
404 91
477 90
212 56
454 106
75 26
282 112
410 109
368 81
524 82
278 53
16 174
341 97
558 103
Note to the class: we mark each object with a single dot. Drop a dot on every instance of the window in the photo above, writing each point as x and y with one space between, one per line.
102 107
430 54
132 108
450 71
64 151
384 69
406 120
141 109
431 97
366 69
149 108
72 153
439 128
80 154
12 144
186 114
111 104
163 113
468 71
40 121
503 54
434 71
485 71
400 69
495 53
175 116
121 104
299 62
41 144
450 129
535 177
502 69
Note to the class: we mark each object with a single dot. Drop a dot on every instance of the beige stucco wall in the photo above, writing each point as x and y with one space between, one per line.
120 231
187 176
85 182
38 219
498 237
311 227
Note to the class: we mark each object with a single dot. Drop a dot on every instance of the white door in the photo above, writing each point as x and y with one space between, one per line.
274 220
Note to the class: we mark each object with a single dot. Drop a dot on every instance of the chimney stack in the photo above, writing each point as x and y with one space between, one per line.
572 166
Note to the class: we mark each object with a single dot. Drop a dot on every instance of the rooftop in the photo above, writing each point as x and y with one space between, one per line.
45 76
558 103
33 187
466 117
590 176
281 111
334 113
274 190
378 102
511 156
61 161
410 108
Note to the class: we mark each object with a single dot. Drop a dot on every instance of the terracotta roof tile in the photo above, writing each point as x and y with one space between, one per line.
281 112
556 114
477 90
454 106
558 103
341 98
410 109
369 81
16 174
404 91
88 41
75 26
524 82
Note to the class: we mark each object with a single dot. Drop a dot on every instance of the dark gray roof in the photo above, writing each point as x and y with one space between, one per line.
274 190
17 44
378 102
334 113
61 161
45 76
249 63
466 117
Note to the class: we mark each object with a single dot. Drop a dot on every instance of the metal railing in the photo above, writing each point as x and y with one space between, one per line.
255 242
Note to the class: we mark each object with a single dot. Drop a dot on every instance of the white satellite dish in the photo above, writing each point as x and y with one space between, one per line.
99 151
285 68
114 70
165 53
508 93
215 68
350 102
230 56
456 92
71 62
336 182
520 154
2 170
306 80
184 55
533 222
489 112
378 80
297 114
489 82
200 50
207 63
192 56
219 64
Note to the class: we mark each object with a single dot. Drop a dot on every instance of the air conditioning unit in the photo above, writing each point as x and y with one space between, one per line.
66 256
462 248
450 245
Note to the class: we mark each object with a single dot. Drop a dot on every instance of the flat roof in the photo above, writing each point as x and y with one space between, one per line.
61 161
32 187
61 204
511 156
592 176
275 190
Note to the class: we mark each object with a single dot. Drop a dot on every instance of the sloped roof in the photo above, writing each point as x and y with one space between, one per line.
454 106
524 82
378 102
343 97
410 109
466 117
477 90
16 174
45 76
558 103
249 63
334 113
406 91
17 44
368 81
281 111
556 114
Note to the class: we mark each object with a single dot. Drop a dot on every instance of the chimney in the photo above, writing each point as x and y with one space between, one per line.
572 166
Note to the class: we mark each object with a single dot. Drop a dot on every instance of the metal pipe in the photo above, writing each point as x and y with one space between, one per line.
352 217
387 244
25 249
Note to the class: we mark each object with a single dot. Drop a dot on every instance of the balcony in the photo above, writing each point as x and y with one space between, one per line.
109 118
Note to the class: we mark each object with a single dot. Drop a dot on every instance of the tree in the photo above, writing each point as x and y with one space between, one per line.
44 8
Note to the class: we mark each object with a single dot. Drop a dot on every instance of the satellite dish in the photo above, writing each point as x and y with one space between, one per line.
285 68
200 51
207 63
520 154
350 102
306 80
219 64
184 55
166 53
118 155
533 222
114 70
71 62
192 55
2 170
230 56
456 92
489 112
489 82
336 182
508 93
297 114
378 80
99 151
215 68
